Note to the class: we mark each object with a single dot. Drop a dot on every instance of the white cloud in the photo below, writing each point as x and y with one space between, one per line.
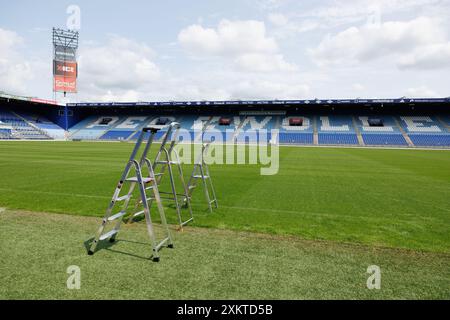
278 19
421 92
389 40
286 27
264 62
358 87
15 71
265 89
243 42
230 38
120 65
343 12
431 57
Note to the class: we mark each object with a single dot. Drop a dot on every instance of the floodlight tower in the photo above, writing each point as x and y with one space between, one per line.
65 66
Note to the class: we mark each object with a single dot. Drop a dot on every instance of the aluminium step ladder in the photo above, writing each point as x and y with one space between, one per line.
166 158
201 172
146 183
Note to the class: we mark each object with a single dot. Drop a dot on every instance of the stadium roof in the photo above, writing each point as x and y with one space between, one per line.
28 99
264 102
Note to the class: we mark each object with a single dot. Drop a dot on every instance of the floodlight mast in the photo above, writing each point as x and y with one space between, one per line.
64 39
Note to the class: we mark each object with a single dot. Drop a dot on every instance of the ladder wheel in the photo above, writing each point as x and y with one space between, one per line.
155 259
170 246
90 252
112 240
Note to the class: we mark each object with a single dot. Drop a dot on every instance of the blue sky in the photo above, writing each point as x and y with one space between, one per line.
242 49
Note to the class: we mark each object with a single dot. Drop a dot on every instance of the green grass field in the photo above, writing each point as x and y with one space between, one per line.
308 232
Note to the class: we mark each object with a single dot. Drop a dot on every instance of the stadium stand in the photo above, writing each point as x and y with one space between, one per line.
93 127
49 128
299 133
380 131
126 128
160 121
255 129
425 131
371 122
337 130
18 128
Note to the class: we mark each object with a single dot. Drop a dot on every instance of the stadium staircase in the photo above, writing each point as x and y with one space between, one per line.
358 133
443 123
405 135
315 132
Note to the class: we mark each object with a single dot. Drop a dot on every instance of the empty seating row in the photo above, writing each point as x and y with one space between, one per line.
384 140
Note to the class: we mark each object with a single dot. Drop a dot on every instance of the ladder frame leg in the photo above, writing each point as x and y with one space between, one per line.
205 186
110 207
212 187
148 219
185 191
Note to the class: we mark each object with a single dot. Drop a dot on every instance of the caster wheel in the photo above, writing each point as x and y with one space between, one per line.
170 246
90 252
156 259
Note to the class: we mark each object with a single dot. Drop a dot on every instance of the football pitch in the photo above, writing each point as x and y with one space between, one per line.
309 231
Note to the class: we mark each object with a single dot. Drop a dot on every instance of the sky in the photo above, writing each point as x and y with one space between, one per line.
235 49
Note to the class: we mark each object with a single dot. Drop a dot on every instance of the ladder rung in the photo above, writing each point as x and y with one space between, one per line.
108 234
161 243
125 197
166 162
192 187
212 201
167 198
200 177
148 188
135 179
139 213
117 216
187 221
171 193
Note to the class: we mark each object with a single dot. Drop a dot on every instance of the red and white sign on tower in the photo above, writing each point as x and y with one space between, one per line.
65 66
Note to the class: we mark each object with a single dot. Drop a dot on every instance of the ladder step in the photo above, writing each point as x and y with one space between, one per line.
108 234
200 177
192 187
162 243
135 179
139 213
125 197
148 188
166 162
117 216
186 222
212 201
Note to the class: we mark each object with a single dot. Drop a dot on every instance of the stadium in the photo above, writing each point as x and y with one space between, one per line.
359 190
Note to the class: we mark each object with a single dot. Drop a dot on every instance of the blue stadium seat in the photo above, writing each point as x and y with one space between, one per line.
116 135
430 140
295 138
338 138
384 139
